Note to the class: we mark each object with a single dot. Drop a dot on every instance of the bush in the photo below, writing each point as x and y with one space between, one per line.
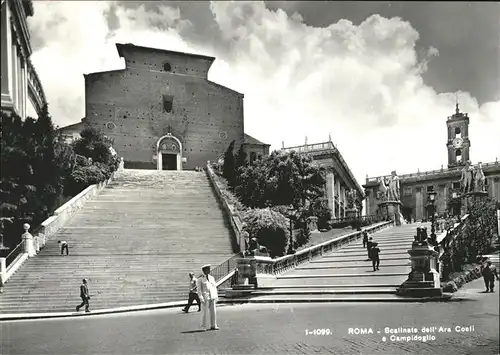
270 228
84 176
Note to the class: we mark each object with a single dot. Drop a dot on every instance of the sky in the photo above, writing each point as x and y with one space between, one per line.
381 78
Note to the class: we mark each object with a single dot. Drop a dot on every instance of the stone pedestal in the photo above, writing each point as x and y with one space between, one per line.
423 280
469 198
246 278
351 213
312 224
391 210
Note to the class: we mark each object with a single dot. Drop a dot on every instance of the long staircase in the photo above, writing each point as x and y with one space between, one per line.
135 243
346 274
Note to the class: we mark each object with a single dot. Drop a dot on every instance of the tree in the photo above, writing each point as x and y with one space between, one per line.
31 173
228 169
94 161
270 228
283 178
241 157
93 144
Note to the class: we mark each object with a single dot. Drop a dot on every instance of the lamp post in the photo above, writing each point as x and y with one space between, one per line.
291 214
432 201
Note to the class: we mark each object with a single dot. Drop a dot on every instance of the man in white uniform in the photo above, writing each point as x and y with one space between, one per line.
207 291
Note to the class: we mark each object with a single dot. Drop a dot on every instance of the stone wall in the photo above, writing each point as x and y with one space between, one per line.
128 105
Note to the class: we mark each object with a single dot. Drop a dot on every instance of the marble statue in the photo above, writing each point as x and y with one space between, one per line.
29 246
350 197
382 189
479 178
394 187
466 178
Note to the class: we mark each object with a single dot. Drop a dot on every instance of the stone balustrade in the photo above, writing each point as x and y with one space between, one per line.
235 219
446 239
35 88
280 265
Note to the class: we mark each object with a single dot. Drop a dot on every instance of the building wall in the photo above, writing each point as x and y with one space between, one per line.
20 84
254 151
128 106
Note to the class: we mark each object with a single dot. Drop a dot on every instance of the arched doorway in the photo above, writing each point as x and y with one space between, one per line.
169 153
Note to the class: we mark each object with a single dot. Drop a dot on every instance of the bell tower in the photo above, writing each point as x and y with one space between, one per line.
458 138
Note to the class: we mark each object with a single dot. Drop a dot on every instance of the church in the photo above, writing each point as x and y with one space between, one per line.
161 111
414 187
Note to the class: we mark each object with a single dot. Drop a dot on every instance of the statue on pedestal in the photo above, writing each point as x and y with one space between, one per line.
466 178
350 197
479 178
394 187
382 189
421 235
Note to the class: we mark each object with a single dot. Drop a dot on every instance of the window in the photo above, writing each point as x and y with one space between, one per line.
253 157
457 131
167 66
168 103
430 188
407 191
456 185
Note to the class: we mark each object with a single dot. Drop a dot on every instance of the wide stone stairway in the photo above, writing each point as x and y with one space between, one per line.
135 243
346 274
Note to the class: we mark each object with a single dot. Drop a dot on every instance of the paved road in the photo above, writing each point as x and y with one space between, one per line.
268 329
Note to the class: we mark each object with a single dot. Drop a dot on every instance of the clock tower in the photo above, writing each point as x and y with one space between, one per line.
458 139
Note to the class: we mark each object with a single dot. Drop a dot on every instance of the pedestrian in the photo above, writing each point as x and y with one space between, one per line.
235 277
84 294
489 273
64 246
368 247
207 291
375 251
365 238
1 284
193 295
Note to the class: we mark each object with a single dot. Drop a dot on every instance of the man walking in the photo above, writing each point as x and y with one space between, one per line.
489 273
64 246
207 291
193 295
84 294
365 239
375 251
368 247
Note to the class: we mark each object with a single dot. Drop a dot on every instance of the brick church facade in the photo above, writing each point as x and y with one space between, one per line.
162 112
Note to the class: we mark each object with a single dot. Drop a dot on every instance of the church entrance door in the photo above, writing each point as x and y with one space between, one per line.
169 153
169 161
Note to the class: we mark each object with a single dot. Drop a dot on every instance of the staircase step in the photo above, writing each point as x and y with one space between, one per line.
135 243
325 291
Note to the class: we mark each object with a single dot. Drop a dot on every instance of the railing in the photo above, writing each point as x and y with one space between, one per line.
288 262
453 170
345 221
20 247
223 273
445 243
222 270
12 256
311 147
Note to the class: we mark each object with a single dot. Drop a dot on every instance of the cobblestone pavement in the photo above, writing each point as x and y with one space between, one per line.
269 329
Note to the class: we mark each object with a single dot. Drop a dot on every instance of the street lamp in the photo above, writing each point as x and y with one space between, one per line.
432 201
291 214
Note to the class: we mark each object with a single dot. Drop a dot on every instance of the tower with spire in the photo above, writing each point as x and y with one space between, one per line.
458 143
